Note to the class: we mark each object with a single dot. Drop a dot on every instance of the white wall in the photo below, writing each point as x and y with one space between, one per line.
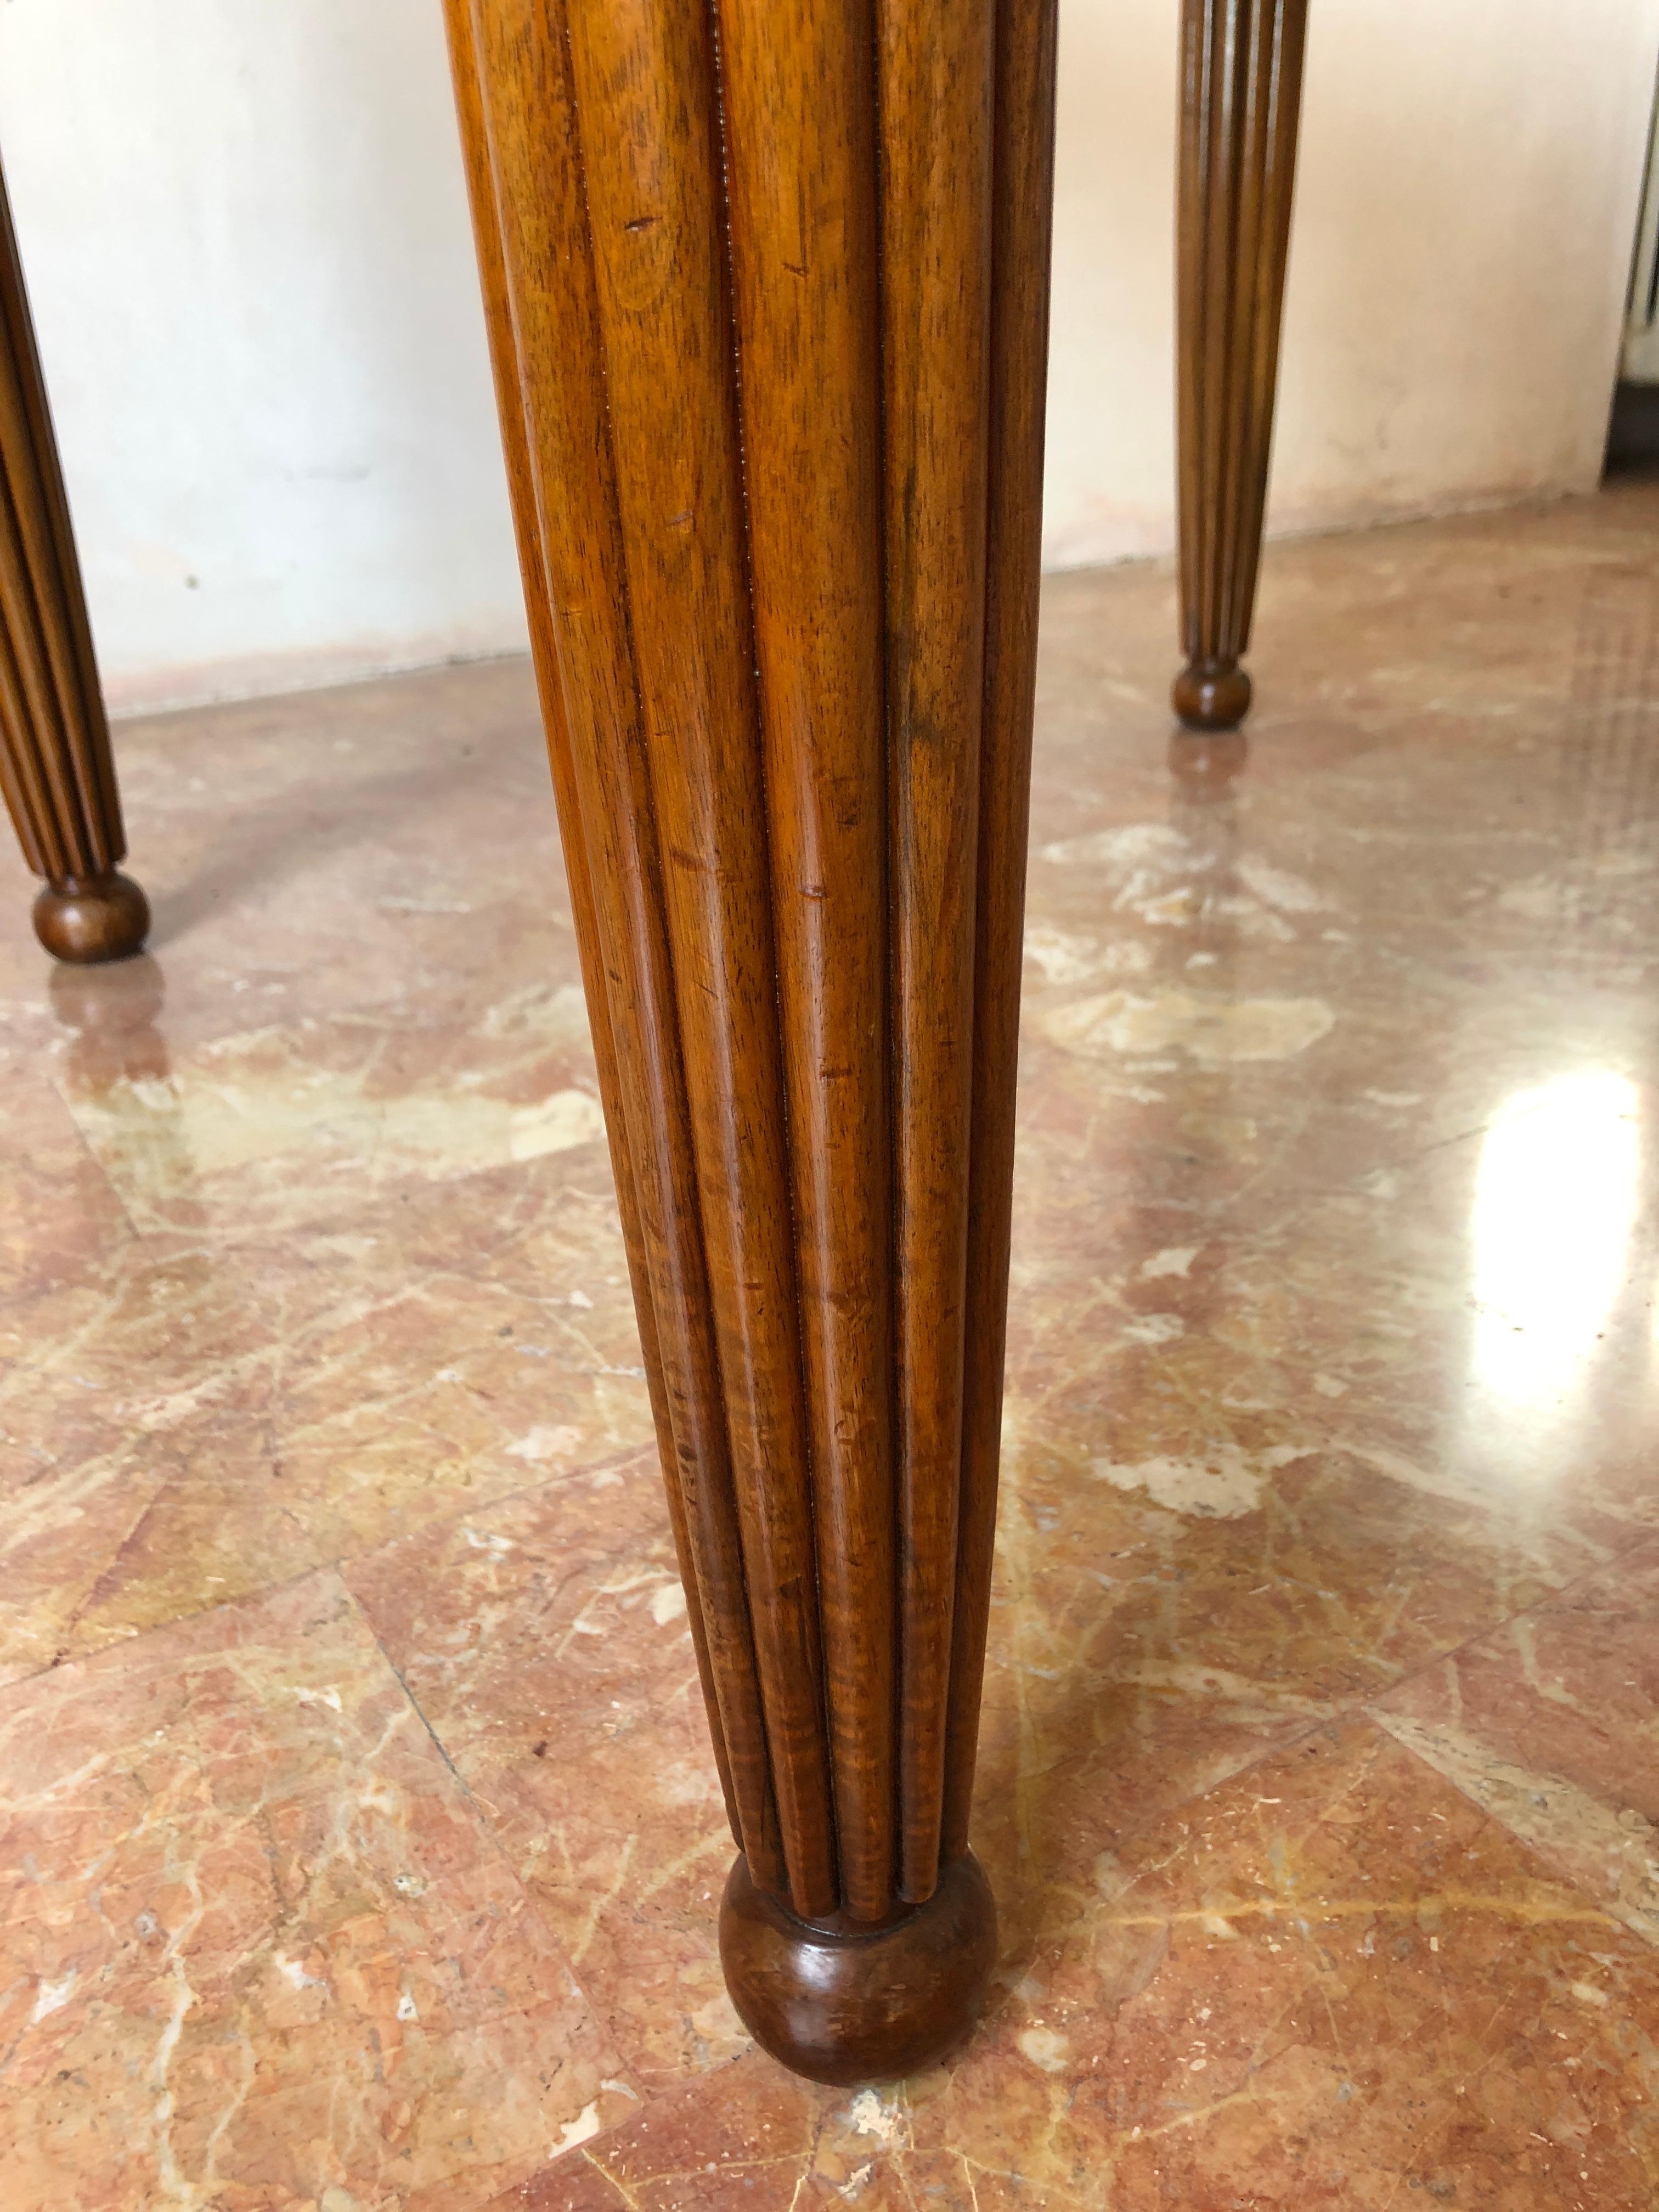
1466 208
245 231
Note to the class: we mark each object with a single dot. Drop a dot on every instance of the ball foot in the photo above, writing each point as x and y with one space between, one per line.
839 2004
92 917
1211 695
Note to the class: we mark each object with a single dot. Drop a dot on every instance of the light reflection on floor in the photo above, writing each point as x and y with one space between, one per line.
1555 1197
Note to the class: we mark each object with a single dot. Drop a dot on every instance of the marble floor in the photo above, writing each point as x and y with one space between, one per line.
359 1837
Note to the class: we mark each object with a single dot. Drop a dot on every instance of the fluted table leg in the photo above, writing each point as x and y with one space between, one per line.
1240 91
766 289
56 768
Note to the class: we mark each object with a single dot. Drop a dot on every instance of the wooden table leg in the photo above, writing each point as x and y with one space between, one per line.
774 437
56 768
1241 90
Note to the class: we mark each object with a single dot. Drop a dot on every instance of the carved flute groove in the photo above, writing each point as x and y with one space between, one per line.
766 290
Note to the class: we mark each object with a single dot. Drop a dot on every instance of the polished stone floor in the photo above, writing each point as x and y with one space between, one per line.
359 1838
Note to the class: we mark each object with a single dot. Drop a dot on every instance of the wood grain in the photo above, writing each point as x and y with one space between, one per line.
492 274
798 113
522 56
1240 91
56 767
767 292
643 70
1023 201
935 97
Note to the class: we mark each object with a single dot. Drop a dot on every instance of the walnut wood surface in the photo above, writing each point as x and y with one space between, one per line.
935 93
56 767
767 289
798 112
1022 210
846 2003
1241 90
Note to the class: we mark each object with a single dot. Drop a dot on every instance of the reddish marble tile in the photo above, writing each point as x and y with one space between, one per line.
198 1422
1142 1651
1551 1723
109 1396
1243 1492
1379 1986
376 842
260 1131
60 1218
545 1641
261 1951
1332 1981
749 2134
1314 1371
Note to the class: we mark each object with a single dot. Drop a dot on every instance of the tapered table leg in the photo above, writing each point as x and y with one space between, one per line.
1241 90
767 289
55 763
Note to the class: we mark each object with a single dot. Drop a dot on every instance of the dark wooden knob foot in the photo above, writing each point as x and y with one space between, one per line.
842 2004
1211 695
93 918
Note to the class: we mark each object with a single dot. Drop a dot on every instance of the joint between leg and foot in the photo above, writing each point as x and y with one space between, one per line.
841 2004
91 918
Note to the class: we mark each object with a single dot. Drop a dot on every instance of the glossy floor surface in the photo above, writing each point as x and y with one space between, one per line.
359 1838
